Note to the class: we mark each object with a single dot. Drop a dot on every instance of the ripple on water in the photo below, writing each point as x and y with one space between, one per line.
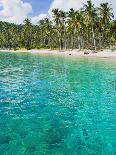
57 106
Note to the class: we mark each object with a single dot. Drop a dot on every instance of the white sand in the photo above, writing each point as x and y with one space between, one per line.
75 53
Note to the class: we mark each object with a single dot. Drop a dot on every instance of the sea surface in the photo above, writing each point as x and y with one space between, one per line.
53 105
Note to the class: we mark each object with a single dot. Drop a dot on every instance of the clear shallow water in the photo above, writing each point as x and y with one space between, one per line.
57 106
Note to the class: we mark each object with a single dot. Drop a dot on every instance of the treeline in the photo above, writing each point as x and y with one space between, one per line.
87 28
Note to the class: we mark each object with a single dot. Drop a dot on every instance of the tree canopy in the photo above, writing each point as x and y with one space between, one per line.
87 28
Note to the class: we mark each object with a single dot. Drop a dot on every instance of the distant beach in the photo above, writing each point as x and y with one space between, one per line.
76 53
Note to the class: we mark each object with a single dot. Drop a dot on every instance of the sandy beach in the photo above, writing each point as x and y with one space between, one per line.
76 53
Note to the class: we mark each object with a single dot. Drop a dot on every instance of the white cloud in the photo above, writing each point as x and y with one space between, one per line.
77 4
14 10
35 19
66 4
17 10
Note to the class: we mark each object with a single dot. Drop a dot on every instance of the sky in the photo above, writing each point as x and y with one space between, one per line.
39 6
16 11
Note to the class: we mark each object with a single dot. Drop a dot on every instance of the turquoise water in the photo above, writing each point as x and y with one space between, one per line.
57 106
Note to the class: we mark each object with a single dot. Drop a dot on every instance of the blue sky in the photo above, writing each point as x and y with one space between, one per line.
39 6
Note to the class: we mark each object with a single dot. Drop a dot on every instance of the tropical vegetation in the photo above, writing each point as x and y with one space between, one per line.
87 28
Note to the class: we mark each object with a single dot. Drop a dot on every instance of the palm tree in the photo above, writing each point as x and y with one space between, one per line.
75 25
56 16
59 19
112 27
45 26
47 31
62 28
57 22
27 33
105 14
85 28
90 16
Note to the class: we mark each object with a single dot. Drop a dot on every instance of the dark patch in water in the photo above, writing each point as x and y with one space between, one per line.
85 133
56 134
5 139
94 147
23 135
98 140
31 149
80 144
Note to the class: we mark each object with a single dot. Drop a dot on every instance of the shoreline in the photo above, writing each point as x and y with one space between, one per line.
74 53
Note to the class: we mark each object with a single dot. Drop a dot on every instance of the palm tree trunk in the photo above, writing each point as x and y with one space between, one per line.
59 39
60 44
94 41
72 41
79 42
65 44
65 40
100 41
50 44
